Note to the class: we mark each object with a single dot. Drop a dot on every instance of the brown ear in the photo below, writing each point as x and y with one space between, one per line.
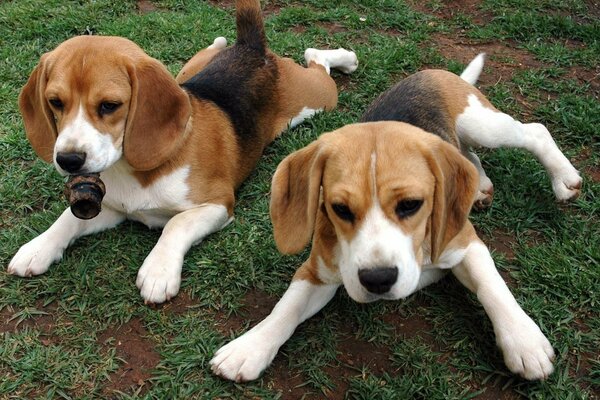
456 183
158 114
37 116
295 197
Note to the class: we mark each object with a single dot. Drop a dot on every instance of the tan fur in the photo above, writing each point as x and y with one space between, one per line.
411 164
455 92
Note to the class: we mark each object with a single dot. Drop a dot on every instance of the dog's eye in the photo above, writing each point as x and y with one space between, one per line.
406 208
56 103
343 212
107 107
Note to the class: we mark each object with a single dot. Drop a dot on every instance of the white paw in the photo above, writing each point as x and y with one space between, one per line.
340 59
526 350
159 277
348 61
567 184
244 358
218 43
35 257
484 198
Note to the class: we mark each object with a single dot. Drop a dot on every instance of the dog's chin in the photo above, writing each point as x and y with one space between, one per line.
399 291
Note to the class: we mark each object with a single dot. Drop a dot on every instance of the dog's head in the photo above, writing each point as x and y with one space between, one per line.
94 99
394 194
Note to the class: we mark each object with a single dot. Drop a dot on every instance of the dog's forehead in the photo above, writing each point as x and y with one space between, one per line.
385 154
86 63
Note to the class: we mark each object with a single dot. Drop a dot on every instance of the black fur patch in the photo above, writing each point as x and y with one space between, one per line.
241 81
413 100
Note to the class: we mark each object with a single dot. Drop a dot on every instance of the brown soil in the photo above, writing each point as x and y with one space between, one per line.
146 6
136 350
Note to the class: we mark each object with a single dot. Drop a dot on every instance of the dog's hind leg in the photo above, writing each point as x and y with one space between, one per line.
305 92
483 125
485 193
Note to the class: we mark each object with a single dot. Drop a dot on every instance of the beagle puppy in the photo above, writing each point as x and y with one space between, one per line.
171 152
387 206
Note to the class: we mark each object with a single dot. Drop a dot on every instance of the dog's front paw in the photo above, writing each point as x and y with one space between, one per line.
526 350
159 277
35 257
244 358
567 184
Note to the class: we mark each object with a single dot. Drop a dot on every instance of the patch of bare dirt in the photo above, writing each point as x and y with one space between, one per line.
138 352
146 6
451 8
256 306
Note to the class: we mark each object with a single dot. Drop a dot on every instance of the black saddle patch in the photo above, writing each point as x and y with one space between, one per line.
241 81
414 101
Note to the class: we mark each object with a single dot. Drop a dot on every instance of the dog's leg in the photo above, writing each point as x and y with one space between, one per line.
247 356
526 350
160 275
485 195
35 257
482 126
340 59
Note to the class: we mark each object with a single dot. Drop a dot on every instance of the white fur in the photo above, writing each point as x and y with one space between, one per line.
473 70
486 187
378 243
481 126
340 59
526 350
153 205
81 136
218 43
326 274
35 257
247 356
160 275
304 114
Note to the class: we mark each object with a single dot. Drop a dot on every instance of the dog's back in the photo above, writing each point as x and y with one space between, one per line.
241 79
428 99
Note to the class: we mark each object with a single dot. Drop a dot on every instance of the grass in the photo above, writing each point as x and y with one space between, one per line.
549 253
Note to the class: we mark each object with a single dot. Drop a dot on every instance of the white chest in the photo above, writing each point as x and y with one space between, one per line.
152 205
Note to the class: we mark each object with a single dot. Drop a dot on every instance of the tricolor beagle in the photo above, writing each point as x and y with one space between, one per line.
171 152
388 204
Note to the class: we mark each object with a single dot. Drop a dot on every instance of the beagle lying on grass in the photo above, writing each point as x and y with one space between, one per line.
171 152
388 204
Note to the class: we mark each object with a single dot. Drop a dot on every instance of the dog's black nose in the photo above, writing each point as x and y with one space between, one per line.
378 280
70 162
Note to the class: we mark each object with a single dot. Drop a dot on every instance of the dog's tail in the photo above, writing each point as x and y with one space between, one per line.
473 70
250 25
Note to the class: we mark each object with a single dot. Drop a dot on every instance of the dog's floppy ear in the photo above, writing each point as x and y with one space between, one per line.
37 116
295 195
456 183
158 114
